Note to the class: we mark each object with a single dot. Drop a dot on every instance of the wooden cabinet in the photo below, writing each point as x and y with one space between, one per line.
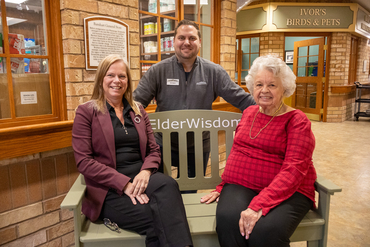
158 19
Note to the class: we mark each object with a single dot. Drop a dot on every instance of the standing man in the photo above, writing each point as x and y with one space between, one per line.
187 81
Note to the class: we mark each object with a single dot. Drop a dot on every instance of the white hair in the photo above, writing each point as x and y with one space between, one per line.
278 68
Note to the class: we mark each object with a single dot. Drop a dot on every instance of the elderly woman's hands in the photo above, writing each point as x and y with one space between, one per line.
210 197
248 219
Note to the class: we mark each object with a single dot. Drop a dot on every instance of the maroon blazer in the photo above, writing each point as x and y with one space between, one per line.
95 154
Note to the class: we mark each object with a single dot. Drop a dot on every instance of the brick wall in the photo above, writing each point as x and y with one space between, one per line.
339 58
32 188
79 82
338 75
228 36
341 107
362 55
272 43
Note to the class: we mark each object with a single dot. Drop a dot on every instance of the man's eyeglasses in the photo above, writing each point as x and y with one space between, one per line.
111 225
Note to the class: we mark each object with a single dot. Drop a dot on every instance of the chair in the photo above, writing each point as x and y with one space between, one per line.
201 217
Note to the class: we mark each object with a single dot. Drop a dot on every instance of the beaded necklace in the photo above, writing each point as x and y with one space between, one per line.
273 116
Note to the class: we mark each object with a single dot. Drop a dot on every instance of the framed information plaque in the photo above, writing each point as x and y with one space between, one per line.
104 36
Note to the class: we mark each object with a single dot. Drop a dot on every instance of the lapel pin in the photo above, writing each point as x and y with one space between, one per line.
137 119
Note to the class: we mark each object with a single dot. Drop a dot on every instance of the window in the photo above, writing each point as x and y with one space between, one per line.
30 63
158 20
201 12
353 61
248 49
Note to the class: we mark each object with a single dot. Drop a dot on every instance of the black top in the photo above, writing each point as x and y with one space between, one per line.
126 138
187 75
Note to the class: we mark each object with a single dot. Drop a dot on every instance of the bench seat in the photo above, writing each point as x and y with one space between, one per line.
202 221
201 217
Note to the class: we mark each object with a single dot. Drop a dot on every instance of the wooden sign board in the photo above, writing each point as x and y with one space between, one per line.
105 36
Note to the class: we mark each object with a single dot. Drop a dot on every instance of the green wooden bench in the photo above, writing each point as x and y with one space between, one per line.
201 217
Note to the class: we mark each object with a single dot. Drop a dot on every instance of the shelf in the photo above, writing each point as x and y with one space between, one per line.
162 14
150 53
148 16
363 100
361 114
167 52
343 88
149 35
364 86
169 32
360 100
149 61
155 34
164 20
156 53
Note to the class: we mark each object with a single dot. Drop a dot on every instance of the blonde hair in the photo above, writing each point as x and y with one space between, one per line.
98 96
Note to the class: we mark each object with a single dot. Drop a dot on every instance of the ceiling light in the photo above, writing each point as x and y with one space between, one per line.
15 1
190 2
12 21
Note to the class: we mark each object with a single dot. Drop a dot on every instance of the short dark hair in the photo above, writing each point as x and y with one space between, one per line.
187 22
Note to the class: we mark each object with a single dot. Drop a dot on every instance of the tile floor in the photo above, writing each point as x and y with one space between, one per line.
342 155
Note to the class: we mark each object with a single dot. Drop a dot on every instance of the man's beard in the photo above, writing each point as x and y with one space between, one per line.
192 54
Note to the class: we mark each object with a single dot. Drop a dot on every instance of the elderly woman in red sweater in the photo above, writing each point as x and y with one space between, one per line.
268 183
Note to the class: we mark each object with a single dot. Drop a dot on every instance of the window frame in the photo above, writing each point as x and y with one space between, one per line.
215 27
55 63
216 23
239 54
352 67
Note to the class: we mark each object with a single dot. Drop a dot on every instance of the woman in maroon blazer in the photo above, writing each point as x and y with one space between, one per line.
116 152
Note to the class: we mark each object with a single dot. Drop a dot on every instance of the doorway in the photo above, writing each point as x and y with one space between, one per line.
306 56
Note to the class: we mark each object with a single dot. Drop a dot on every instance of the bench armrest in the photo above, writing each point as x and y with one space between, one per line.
325 188
73 202
75 194
324 185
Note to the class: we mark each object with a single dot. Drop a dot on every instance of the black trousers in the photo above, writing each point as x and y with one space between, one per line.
272 230
162 220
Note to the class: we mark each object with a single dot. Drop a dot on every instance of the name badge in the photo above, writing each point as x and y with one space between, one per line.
173 82
201 83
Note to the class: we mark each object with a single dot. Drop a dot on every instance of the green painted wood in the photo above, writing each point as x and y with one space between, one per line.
325 185
75 194
201 217
258 15
196 121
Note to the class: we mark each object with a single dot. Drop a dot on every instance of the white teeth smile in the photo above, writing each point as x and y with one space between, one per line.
116 88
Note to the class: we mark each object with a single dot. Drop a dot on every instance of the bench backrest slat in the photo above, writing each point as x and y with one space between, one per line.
197 122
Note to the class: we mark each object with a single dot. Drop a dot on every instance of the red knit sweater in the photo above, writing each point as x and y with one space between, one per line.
277 163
